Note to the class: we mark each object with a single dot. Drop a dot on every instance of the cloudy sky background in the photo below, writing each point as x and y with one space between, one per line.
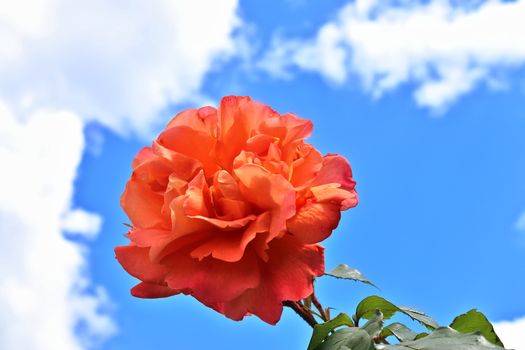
426 99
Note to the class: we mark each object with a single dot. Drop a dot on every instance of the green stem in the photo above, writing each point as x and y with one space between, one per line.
319 307
301 311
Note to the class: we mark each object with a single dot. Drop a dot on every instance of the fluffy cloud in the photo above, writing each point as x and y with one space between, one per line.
63 63
44 291
443 49
81 222
511 333
119 62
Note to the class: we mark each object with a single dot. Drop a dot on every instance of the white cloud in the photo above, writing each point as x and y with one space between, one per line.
44 288
443 49
63 64
119 62
80 222
512 333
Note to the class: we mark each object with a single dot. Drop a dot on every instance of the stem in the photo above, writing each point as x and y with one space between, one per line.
301 311
319 307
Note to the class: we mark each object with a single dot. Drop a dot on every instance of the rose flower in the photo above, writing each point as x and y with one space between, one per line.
228 206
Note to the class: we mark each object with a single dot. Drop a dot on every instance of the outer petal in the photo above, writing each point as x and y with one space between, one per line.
149 237
314 222
154 239
333 193
151 290
292 266
297 128
142 205
334 182
287 127
288 275
136 262
203 119
335 170
151 169
191 136
162 254
182 166
144 155
211 280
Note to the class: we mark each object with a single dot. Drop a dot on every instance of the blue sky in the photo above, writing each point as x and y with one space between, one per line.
426 100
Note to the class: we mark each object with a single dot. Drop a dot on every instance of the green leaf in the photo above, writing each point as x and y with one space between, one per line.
446 338
375 325
421 335
419 316
321 331
400 331
473 321
353 338
368 306
345 272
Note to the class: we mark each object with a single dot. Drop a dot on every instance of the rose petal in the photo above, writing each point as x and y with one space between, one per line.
151 290
144 155
288 275
151 169
259 144
212 280
160 253
230 209
182 224
226 186
136 262
176 188
203 119
182 166
197 198
271 192
230 246
155 239
287 128
193 138
297 128
292 266
142 205
224 224
306 167
149 237
239 118
333 193
335 170
314 222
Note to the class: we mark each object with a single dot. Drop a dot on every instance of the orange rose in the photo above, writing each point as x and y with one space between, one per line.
228 205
